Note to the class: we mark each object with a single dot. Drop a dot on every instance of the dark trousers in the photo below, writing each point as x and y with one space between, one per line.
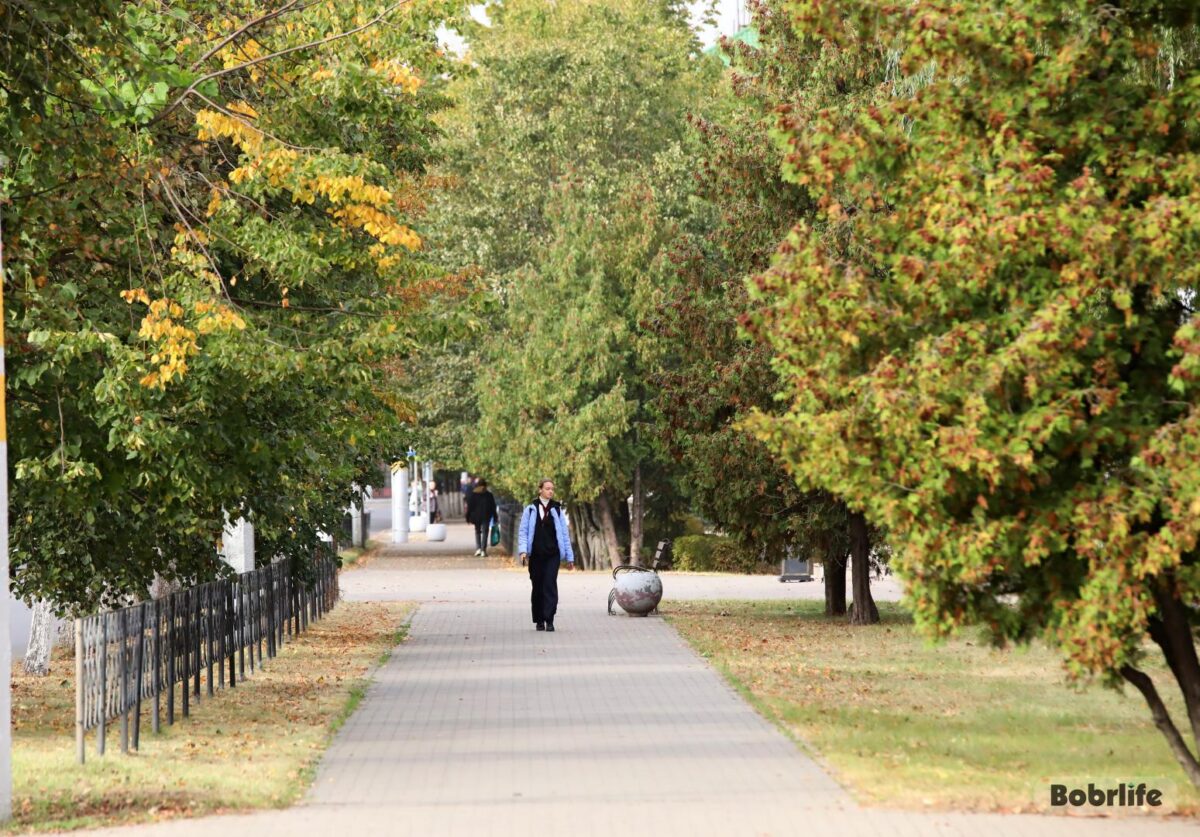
481 536
543 578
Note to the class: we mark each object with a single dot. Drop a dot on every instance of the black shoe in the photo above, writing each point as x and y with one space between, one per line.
549 626
541 626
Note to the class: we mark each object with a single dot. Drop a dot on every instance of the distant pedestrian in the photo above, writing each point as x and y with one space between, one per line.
465 485
435 511
481 510
545 541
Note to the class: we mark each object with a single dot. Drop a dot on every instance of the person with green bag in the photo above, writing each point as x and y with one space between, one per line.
481 512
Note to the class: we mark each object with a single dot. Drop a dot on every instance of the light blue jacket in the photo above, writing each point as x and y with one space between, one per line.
529 521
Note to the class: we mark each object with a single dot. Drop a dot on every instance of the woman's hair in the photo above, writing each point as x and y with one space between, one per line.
482 483
543 481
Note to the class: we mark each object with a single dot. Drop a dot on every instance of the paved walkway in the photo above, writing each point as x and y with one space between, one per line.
480 725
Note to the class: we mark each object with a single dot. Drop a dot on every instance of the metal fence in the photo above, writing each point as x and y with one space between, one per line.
450 504
174 648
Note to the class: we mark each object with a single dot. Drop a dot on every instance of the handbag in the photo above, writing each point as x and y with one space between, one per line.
494 538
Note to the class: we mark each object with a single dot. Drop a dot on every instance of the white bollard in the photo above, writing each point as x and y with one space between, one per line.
400 502
356 527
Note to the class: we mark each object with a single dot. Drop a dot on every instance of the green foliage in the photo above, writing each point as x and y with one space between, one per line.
211 272
987 331
580 89
566 148
707 376
693 553
715 553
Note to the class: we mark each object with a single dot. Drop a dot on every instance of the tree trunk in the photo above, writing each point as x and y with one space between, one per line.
863 610
636 516
1171 630
1162 720
608 526
835 577
586 537
42 631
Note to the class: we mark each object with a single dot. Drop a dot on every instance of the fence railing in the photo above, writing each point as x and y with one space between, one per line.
450 504
197 639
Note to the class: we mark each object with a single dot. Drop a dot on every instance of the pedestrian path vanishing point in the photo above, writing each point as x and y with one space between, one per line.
481 725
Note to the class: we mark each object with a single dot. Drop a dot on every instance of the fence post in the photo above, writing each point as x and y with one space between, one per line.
172 650
185 676
219 630
79 692
230 632
255 613
123 673
197 639
103 683
209 630
137 682
156 678
240 613
271 613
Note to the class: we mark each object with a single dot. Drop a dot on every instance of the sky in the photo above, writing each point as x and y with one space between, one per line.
729 12
728 15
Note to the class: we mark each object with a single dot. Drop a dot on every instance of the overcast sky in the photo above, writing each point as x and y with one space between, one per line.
729 12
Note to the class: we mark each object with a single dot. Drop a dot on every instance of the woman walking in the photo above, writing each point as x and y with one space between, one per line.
544 540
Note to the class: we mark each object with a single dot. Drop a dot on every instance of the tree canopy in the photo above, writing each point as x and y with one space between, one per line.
987 332
213 259
567 148
708 376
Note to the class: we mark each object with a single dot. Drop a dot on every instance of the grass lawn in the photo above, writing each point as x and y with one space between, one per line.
904 723
255 746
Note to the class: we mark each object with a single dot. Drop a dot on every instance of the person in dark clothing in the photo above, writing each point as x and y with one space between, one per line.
545 540
435 508
481 510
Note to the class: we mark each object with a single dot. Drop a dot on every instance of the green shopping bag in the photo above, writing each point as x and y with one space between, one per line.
494 538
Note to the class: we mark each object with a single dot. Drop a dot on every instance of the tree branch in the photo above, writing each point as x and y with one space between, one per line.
243 29
191 88
183 218
315 309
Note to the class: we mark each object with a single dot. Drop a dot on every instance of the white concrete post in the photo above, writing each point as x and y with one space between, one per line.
5 642
400 502
356 527
237 545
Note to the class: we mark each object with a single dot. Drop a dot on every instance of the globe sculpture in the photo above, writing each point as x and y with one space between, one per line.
638 590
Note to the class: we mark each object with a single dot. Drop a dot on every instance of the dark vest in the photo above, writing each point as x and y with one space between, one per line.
545 536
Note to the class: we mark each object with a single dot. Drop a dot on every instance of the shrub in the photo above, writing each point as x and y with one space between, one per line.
693 553
715 553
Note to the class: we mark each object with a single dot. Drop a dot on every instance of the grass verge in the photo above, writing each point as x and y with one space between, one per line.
357 556
905 723
254 746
